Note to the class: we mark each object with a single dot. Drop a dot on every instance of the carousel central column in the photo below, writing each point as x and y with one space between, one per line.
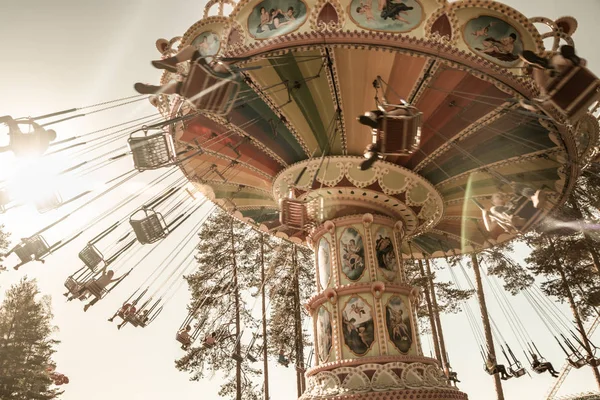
366 341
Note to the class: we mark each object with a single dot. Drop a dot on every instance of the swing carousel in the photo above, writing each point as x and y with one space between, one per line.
376 133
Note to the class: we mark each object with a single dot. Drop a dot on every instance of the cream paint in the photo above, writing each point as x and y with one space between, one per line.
62 54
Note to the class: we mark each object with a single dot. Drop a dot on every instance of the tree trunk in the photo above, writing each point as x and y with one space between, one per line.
589 242
298 325
567 289
432 317
238 347
264 318
486 323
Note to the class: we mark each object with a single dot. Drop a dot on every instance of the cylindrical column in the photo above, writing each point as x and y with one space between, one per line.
486 324
364 314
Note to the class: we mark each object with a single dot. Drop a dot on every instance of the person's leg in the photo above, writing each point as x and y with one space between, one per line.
169 88
533 59
170 64
91 303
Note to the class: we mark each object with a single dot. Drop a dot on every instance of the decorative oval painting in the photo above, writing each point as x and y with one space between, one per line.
271 18
207 43
493 39
352 253
387 15
397 319
324 334
384 251
358 326
324 262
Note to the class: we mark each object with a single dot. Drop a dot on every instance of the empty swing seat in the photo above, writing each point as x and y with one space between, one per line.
72 285
184 340
149 229
48 202
91 257
33 248
518 372
208 90
581 362
294 213
573 92
399 130
152 151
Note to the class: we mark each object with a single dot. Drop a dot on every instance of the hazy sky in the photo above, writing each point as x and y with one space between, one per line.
64 53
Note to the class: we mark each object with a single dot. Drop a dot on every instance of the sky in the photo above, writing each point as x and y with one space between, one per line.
65 53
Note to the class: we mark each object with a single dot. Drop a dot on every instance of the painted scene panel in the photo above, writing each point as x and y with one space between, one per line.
358 326
207 43
384 251
271 18
352 254
399 328
324 334
493 39
324 262
387 15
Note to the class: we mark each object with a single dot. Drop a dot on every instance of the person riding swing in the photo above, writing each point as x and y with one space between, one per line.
504 213
27 144
542 366
493 368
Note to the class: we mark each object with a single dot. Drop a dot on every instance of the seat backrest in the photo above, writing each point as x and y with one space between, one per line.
209 91
152 151
150 228
293 213
400 132
91 257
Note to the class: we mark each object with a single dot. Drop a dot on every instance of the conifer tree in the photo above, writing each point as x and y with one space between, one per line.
3 243
225 257
26 344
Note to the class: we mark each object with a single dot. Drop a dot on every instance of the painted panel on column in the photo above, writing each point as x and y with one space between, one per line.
384 251
358 326
397 319
324 334
324 262
352 252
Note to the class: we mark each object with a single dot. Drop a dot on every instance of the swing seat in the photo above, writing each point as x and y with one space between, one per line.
72 285
581 362
152 151
399 130
150 228
283 361
95 289
48 202
573 92
208 90
518 372
593 362
294 213
33 247
184 340
237 357
251 358
91 257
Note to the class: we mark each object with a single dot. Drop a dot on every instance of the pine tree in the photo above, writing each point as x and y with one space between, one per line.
3 243
26 346
290 283
225 257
